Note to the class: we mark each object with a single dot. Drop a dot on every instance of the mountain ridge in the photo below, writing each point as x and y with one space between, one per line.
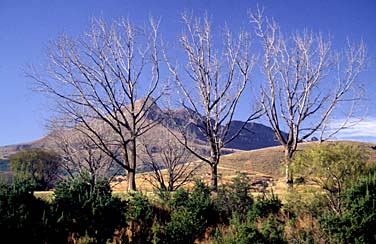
253 136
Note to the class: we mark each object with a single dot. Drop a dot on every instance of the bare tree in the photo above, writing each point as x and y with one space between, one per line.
306 82
81 157
212 85
170 161
97 81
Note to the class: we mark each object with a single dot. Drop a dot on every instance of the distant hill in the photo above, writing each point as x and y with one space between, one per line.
253 136
44 142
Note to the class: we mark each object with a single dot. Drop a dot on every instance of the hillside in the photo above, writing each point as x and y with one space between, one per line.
263 166
44 142
253 136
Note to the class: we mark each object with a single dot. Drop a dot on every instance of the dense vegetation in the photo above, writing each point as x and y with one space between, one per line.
82 213
40 167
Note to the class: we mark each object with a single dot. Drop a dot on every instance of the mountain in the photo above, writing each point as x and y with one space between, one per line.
43 142
253 136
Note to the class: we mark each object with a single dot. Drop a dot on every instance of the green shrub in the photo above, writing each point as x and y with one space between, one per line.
83 210
190 215
265 205
304 201
179 198
301 209
332 167
234 198
21 214
184 226
37 165
140 215
243 232
357 223
240 231
272 230
258 225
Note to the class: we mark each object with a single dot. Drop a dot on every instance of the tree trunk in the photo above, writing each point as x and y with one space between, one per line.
131 180
288 174
132 167
214 161
93 180
170 187
214 177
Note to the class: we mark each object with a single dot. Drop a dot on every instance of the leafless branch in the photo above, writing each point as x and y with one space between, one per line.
106 79
306 82
212 84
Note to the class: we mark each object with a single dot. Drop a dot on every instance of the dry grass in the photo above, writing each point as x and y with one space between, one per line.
264 164
259 165
44 195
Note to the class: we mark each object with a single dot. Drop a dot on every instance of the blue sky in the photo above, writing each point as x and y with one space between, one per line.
27 26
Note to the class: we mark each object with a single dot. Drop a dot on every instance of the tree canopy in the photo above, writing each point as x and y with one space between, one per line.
39 166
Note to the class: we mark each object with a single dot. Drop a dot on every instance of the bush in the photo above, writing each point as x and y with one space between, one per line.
179 198
304 201
357 222
265 205
190 215
333 167
140 216
184 226
36 165
259 225
301 210
244 232
81 210
234 198
239 232
272 230
21 214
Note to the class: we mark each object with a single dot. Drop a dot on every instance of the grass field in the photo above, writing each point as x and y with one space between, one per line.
261 165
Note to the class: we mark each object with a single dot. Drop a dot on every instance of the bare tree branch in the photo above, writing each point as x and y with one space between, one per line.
212 85
307 82
170 161
82 158
107 79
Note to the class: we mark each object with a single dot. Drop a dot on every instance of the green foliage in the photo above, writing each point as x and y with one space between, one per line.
239 232
140 215
183 227
269 231
85 210
272 230
180 198
302 208
357 223
259 225
190 215
303 201
84 213
21 214
265 205
234 198
199 201
332 167
36 165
